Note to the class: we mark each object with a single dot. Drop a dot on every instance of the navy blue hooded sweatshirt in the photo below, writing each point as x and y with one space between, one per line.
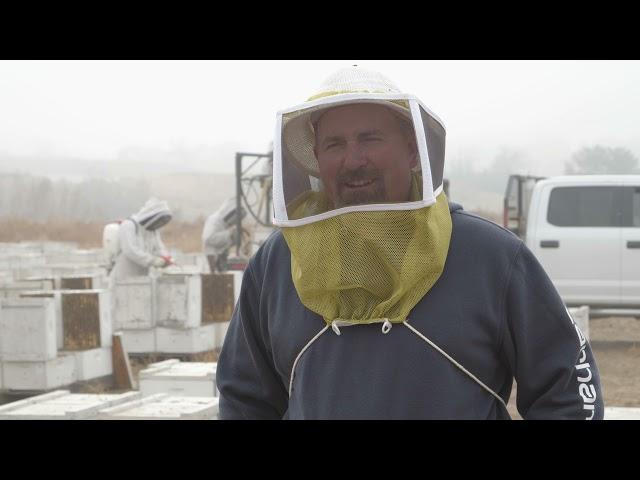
494 310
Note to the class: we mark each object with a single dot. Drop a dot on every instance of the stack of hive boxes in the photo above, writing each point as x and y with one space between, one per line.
62 405
53 338
175 313
187 379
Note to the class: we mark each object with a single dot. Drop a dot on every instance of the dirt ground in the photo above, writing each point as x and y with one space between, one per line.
616 346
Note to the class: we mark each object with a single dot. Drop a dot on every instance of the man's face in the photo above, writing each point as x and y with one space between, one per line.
365 155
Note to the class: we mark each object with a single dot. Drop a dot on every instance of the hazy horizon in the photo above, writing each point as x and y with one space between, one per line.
113 111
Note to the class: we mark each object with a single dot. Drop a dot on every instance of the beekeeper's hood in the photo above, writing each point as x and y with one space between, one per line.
357 188
296 168
155 214
228 212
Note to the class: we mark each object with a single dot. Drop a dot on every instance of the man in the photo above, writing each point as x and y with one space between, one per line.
139 241
220 233
379 299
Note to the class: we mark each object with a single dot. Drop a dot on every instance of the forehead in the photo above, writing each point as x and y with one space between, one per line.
346 118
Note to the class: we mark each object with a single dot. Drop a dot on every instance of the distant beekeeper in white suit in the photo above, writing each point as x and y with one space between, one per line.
139 241
220 234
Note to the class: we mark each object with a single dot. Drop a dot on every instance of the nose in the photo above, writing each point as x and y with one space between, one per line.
354 156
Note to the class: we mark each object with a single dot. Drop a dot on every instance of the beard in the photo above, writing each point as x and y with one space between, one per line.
358 187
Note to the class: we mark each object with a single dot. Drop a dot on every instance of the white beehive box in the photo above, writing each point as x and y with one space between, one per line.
621 413
219 333
164 407
222 327
94 363
139 341
62 405
185 259
38 274
237 283
86 319
55 295
65 269
15 288
580 315
133 301
27 330
178 301
183 270
48 282
20 261
76 257
192 340
32 376
47 247
173 377
78 281
188 263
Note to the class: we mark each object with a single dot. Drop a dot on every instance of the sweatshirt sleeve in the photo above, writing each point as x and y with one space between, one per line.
552 362
249 385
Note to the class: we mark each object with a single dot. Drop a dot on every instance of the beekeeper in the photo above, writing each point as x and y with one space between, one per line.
220 234
379 299
140 244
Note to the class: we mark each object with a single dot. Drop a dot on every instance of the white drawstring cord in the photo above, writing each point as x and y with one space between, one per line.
386 326
293 369
455 363
336 324
334 327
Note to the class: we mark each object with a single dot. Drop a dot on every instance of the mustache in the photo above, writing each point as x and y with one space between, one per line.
361 174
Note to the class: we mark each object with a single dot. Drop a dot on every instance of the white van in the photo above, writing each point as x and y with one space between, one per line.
585 230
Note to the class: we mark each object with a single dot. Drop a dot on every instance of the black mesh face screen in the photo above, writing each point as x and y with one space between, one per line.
230 218
158 222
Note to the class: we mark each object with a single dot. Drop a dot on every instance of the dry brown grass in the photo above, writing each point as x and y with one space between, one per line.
87 235
184 236
181 235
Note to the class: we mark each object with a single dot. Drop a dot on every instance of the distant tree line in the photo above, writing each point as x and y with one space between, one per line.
42 199
588 160
602 160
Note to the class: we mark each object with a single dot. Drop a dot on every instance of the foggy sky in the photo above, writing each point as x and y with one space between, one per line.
546 110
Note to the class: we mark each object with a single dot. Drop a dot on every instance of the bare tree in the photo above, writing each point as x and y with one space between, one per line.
602 160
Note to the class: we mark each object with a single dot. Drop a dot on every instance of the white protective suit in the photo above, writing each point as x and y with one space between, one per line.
140 243
219 232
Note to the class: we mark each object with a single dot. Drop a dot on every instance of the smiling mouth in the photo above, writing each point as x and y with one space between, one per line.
359 183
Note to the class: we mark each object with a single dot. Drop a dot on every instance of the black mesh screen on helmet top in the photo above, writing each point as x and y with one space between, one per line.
158 221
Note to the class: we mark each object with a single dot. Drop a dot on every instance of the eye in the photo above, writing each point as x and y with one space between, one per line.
332 145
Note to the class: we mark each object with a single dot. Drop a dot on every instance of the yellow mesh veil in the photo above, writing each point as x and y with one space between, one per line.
369 263
367 266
